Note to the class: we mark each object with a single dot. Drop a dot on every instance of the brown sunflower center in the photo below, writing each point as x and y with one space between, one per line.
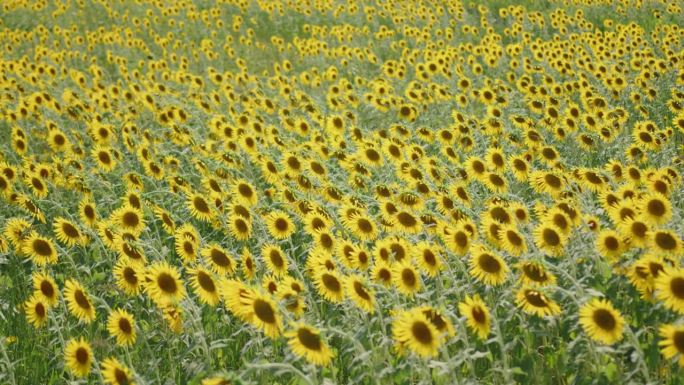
130 219
281 225
408 277
310 340
361 291
551 237
365 225
478 315
489 263
42 247
81 299
200 205
678 341
421 332
536 298
677 287
276 258
82 356
47 289
656 207
206 282
264 311
166 283
125 326
665 241
331 283
604 319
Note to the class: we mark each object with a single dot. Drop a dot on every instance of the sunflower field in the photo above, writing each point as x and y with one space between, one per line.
341 192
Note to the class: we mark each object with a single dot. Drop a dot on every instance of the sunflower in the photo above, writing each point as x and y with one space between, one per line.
88 212
204 285
406 278
275 259
199 207
382 273
121 325
457 240
306 342
487 267
78 302
37 184
45 287
247 264
66 232
428 257
186 247
168 223
412 330
477 315
104 158
669 287
672 342
601 321
244 192
666 243
279 225
360 293
635 232
36 309
260 311
609 244
115 373
655 208
535 302
129 219
128 275
512 241
362 227
40 249
533 273
549 239
329 285
173 315
163 283
219 260
407 222
240 228
78 356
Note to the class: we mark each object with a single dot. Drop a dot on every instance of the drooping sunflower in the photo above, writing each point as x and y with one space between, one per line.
205 285
669 287
487 267
672 342
36 309
279 225
360 293
306 342
115 373
534 273
439 320
121 325
601 321
413 331
78 357
477 315
163 283
40 249
78 302
535 302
